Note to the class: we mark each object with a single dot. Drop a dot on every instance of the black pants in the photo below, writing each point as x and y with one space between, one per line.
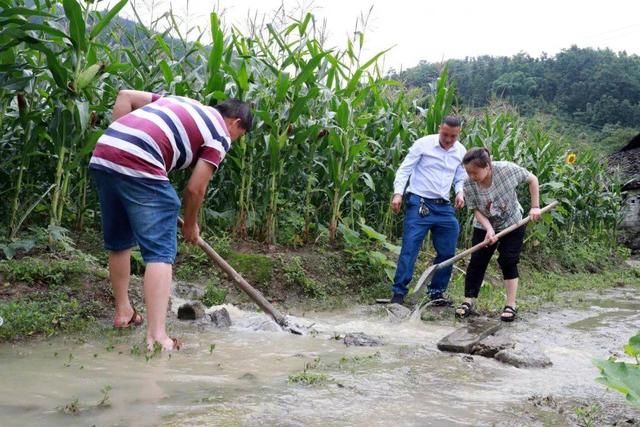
509 248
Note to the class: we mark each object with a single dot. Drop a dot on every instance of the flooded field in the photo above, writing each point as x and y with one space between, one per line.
244 376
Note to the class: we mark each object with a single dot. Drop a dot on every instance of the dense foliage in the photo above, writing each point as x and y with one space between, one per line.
595 87
329 133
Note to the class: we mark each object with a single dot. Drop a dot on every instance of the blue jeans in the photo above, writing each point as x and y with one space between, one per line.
138 211
444 227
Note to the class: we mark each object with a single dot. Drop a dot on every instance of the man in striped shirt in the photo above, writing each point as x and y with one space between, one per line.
150 136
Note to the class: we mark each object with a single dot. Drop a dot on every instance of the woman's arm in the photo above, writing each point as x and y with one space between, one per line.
490 238
534 190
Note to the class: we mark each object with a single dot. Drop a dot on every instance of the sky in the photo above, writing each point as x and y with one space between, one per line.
437 31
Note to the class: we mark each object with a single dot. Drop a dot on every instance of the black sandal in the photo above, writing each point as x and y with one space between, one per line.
465 310
508 310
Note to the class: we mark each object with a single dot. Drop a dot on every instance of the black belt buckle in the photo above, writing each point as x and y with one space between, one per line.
423 210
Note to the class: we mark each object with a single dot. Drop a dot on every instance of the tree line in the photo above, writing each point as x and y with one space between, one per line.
593 87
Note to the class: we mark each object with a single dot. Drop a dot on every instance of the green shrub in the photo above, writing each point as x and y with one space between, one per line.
213 295
221 243
53 272
369 259
295 275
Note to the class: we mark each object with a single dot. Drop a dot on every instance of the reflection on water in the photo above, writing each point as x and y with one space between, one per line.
240 376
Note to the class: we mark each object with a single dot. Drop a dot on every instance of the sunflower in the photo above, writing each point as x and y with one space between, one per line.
571 158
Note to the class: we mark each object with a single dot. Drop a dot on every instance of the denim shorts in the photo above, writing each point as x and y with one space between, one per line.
138 211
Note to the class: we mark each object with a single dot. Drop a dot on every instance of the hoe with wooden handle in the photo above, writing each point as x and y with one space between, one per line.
429 272
251 292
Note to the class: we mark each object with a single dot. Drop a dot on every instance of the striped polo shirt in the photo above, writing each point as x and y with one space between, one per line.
170 133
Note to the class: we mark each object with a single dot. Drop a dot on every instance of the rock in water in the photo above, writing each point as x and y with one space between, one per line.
398 312
360 339
247 377
220 318
521 357
261 323
489 346
191 310
463 339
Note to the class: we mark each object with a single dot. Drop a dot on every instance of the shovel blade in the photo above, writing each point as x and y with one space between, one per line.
424 279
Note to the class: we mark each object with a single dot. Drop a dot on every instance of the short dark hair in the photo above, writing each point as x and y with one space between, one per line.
478 156
236 109
452 121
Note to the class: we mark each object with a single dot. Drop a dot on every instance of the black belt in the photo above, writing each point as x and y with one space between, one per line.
437 201
434 201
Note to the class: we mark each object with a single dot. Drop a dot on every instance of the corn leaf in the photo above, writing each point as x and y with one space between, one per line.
104 21
77 30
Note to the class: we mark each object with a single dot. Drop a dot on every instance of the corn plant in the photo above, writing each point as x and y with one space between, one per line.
589 197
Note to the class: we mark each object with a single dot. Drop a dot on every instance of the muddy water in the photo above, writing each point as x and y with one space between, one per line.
244 379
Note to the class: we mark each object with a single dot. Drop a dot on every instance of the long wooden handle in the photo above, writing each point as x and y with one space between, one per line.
253 293
507 230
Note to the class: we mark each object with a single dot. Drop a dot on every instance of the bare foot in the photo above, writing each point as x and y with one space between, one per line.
165 344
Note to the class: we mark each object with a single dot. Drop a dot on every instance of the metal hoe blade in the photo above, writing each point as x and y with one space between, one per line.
424 279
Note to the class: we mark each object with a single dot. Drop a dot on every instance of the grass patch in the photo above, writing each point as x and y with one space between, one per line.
587 415
370 293
192 262
255 267
295 276
308 378
576 256
353 363
53 272
48 315
49 294
213 295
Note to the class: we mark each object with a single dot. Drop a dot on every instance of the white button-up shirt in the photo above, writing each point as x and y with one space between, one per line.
432 169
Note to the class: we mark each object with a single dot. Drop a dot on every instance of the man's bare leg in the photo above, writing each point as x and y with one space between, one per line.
119 272
157 287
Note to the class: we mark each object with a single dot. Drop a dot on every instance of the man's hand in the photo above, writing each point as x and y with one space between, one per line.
396 203
459 202
490 238
191 232
534 213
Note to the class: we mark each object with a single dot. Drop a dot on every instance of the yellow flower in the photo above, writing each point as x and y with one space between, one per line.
571 158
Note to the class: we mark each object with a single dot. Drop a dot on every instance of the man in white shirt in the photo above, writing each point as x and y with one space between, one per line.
432 165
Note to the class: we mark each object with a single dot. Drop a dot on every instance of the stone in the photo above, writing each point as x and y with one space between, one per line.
247 377
188 291
398 312
633 263
489 346
360 339
521 357
220 318
265 324
191 310
463 339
